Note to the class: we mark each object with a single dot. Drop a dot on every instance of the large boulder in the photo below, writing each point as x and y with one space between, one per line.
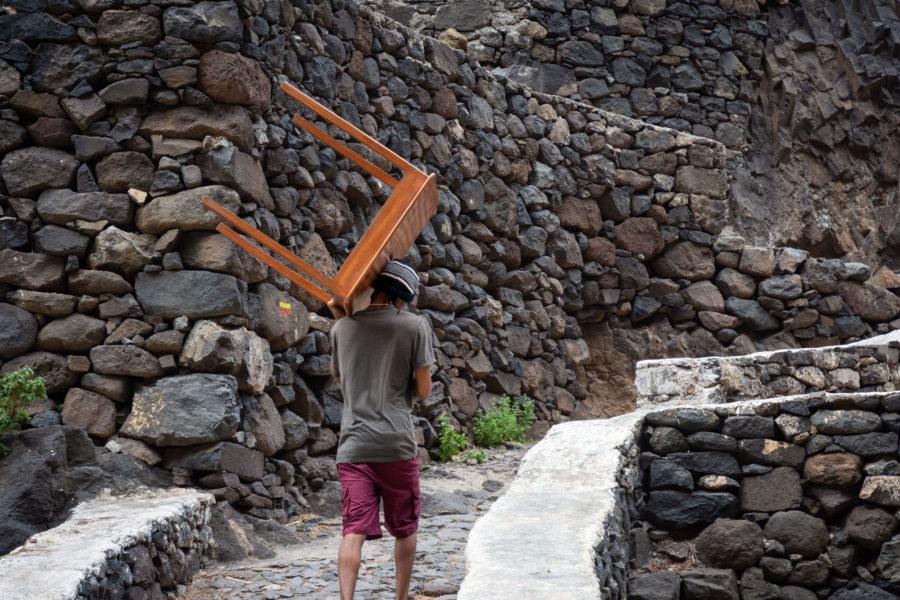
869 301
870 527
195 294
184 410
55 66
670 508
121 171
119 27
212 348
639 235
184 211
18 330
238 170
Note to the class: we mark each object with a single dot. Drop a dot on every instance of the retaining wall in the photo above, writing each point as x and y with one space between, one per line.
166 342
796 496
135 547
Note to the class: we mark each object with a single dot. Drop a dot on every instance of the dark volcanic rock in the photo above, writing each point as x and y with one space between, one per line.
35 27
870 527
29 170
54 368
18 330
728 543
185 410
63 66
683 509
663 585
798 532
33 482
771 452
40 272
125 360
777 490
61 206
207 22
196 294
704 463
222 456
709 584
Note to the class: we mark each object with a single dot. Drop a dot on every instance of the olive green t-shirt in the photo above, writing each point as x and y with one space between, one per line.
374 353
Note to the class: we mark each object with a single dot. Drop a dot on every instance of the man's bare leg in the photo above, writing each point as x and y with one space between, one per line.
349 555
404 555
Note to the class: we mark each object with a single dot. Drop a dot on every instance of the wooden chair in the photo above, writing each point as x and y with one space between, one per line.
399 222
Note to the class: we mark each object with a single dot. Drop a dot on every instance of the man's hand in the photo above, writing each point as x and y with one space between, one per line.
336 309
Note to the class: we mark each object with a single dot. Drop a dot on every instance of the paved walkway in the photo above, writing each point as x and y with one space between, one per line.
454 495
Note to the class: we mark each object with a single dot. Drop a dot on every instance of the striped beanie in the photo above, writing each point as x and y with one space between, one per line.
399 279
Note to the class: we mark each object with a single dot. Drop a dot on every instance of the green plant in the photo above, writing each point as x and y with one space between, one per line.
451 442
505 421
478 455
17 389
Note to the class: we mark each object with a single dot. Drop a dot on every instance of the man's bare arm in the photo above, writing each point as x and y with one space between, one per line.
422 376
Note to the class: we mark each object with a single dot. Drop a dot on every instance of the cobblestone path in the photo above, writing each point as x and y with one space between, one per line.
454 495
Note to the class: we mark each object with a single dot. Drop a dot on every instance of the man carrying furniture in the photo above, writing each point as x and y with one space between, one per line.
381 356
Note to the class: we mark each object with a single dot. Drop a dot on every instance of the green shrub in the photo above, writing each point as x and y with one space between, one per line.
478 455
452 443
505 421
17 389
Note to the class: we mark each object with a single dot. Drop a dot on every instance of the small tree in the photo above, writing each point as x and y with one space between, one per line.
17 389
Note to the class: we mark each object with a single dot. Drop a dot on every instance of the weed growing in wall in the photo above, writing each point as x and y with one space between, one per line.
17 389
451 442
505 421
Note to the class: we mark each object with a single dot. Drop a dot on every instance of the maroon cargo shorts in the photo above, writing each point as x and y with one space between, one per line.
364 484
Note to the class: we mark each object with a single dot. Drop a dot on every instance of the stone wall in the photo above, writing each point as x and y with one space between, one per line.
868 365
810 103
562 528
791 498
167 343
688 65
136 547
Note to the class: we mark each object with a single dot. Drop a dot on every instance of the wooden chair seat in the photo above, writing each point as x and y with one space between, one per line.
413 201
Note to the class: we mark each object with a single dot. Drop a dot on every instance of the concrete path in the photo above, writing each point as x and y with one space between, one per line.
454 495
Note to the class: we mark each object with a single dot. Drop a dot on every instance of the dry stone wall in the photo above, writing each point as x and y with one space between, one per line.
168 343
689 65
810 101
796 498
